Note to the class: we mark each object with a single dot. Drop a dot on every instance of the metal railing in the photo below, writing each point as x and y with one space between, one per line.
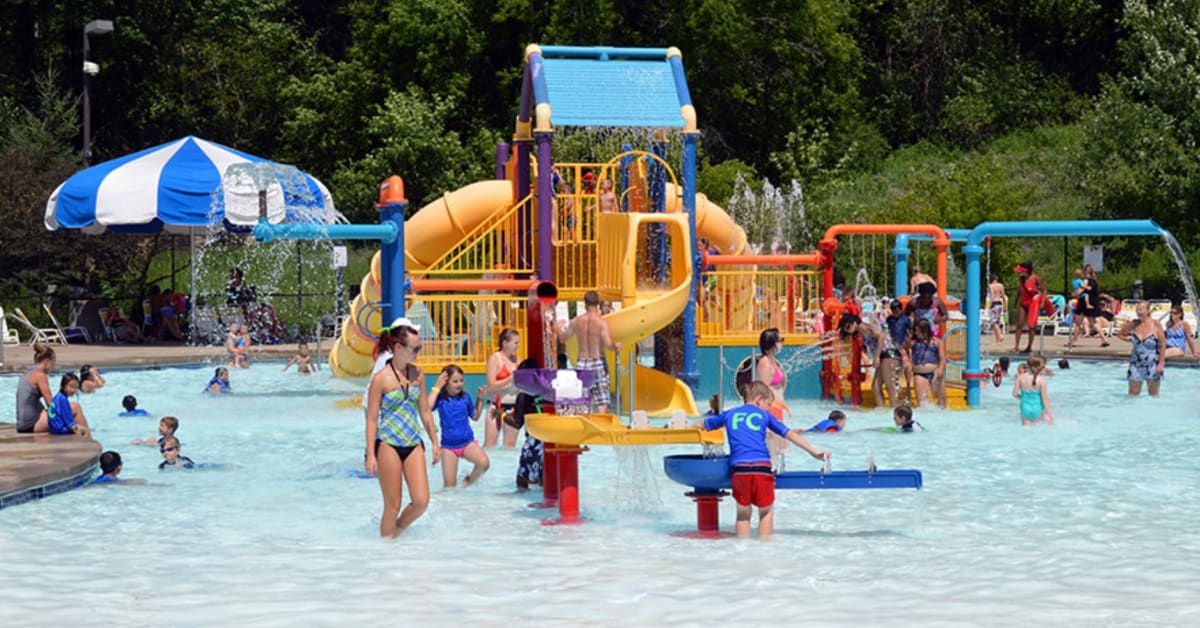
737 303
464 329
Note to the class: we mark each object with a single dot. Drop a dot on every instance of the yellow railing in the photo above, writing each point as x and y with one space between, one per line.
496 243
737 304
463 329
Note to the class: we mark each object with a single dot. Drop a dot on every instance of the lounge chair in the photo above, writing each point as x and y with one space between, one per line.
110 334
8 335
67 332
1160 310
1127 312
1054 320
38 334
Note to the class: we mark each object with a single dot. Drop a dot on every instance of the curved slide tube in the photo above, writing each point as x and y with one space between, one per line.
440 225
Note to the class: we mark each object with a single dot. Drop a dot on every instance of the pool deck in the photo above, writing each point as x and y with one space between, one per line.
33 466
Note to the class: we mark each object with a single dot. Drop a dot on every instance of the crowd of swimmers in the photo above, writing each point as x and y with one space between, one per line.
41 411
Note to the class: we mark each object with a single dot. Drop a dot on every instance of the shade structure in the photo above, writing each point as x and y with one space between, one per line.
185 184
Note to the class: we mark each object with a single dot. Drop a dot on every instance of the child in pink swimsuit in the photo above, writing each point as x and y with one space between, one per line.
457 409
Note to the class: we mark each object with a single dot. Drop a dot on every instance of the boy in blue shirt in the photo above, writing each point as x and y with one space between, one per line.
131 409
110 467
835 423
749 461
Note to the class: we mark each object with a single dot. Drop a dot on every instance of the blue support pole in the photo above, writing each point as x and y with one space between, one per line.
392 271
972 251
389 231
901 252
1050 228
545 205
524 218
690 375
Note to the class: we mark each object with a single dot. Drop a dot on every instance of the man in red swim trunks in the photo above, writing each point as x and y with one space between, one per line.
1032 293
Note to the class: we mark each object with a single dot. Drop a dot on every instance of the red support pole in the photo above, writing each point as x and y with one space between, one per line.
568 487
708 512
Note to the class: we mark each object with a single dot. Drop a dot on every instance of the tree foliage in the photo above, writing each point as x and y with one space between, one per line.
876 108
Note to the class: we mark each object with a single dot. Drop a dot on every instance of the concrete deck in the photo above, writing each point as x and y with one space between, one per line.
33 466
17 358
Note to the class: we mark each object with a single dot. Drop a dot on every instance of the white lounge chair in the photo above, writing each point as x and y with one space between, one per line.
8 335
67 332
43 335
1160 310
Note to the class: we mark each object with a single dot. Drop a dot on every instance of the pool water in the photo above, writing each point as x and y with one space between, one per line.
1091 522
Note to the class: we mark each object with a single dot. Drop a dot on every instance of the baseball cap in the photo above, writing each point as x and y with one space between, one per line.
1023 267
403 322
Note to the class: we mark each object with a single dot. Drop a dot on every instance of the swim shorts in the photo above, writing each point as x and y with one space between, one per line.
754 485
599 391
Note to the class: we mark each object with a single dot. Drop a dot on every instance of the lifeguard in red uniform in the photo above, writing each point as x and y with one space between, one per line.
1032 296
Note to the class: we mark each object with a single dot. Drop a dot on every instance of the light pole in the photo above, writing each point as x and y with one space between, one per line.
95 27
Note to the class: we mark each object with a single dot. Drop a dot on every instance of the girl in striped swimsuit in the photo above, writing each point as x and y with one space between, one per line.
396 411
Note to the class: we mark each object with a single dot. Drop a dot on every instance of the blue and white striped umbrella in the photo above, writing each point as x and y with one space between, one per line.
185 184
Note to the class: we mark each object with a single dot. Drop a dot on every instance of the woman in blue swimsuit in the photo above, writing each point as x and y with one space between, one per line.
1179 335
1147 355
928 362
396 411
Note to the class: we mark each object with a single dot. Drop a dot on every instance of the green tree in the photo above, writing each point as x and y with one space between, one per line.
1140 158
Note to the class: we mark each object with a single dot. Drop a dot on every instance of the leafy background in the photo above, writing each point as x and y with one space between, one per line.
813 112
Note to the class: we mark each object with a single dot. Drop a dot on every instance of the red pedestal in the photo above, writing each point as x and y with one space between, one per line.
568 485
708 503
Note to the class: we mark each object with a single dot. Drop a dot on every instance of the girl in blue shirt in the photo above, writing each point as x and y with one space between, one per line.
64 416
457 409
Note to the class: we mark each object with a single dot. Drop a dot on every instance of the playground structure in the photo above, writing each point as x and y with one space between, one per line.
481 252
480 248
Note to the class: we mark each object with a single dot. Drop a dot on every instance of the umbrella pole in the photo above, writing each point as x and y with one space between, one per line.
192 268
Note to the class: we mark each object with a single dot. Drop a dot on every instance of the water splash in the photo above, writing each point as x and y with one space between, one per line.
774 218
636 489
278 270
1185 270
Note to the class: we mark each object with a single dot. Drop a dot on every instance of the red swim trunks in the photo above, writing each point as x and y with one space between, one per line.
754 485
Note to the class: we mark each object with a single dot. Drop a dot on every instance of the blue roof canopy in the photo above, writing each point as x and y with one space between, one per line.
600 86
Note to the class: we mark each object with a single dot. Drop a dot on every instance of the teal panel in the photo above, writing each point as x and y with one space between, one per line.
591 92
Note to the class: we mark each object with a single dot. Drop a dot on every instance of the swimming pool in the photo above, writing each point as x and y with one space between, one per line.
1091 522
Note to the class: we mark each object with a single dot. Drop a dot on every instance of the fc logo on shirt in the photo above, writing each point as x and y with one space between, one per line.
748 418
